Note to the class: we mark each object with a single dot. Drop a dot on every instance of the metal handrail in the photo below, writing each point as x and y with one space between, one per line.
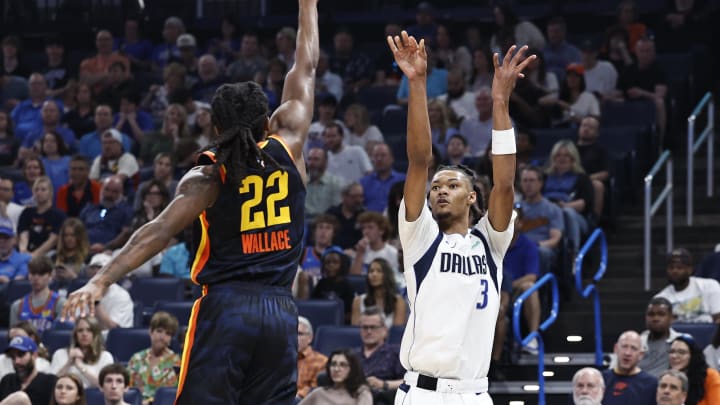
591 289
652 207
535 334
692 147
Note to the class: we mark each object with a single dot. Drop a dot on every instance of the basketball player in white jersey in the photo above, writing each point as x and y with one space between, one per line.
453 272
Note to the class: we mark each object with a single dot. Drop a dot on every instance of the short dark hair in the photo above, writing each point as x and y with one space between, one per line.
131 96
325 219
336 126
660 301
40 265
165 320
536 170
80 158
115 368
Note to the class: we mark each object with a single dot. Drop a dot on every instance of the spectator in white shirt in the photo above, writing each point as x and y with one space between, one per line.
325 80
460 100
349 162
600 75
326 109
360 131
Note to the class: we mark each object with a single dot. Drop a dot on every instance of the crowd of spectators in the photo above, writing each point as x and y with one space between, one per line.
91 151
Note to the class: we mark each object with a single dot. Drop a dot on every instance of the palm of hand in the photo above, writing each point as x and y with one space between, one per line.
411 62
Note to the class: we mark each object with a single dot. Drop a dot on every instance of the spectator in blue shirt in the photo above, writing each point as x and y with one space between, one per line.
91 143
13 265
130 119
108 222
377 184
50 114
436 81
26 115
55 159
176 260
138 50
558 52
162 53
32 168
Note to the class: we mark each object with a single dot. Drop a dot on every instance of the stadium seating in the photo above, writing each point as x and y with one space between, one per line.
546 138
709 266
322 312
373 97
702 332
165 396
179 309
94 396
358 283
16 289
3 340
124 342
151 290
329 338
394 121
395 335
54 339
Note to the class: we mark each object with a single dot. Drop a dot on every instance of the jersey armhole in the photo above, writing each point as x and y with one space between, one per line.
282 142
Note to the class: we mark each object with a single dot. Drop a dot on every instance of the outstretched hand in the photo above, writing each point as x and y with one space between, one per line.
506 74
409 54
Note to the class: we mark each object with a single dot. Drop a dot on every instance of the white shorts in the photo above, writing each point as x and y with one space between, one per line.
410 394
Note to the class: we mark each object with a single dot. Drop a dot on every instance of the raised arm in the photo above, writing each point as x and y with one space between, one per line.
500 204
412 59
197 190
292 119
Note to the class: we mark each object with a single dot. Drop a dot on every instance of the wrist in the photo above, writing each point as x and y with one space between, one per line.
385 385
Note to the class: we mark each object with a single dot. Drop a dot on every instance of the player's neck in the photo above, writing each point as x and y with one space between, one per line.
633 371
41 294
451 226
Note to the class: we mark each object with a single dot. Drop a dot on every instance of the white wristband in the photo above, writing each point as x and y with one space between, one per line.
503 142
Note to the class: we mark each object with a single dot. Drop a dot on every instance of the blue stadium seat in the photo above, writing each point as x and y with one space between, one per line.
546 138
322 312
94 396
165 396
374 96
329 338
3 340
640 113
124 342
358 283
180 309
55 339
394 121
709 266
702 332
77 284
138 316
151 290
395 335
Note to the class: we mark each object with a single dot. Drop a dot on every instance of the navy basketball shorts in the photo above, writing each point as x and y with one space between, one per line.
240 347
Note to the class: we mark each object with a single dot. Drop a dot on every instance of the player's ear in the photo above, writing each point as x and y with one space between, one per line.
472 197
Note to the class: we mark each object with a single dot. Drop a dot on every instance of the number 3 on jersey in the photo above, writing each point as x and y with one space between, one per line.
277 212
484 285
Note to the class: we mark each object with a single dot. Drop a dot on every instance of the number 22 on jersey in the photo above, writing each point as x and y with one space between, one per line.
275 212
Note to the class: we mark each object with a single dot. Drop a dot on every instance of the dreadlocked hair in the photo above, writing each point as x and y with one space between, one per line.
476 209
239 111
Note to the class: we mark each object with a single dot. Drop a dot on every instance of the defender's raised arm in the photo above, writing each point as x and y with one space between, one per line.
412 59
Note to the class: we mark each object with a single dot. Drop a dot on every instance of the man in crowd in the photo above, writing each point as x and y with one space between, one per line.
109 220
377 184
672 388
626 383
91 143
588 387
114 380
50 114
477 128
326 111
380 360
41 306
13 265
460 100
349 162
347 212
658 337
114 160
80 190
95 71
310 362
249 59
26 115
115 309
594 158
694 299
323 188
354 67
558 52
26 385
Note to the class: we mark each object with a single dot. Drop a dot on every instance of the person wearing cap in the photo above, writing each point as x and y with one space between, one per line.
114 160
187 48
694 299
91 143
95 71
574 102
425 26
600 75
115 309
108 222
13 265
24 328
41 306
26 385
326 110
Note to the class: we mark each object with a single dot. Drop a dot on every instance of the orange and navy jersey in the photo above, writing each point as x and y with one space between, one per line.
253 233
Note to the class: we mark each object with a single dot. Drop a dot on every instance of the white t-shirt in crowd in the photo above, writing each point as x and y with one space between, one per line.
696 303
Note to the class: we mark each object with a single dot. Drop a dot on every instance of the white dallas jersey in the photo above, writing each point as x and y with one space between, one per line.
453 286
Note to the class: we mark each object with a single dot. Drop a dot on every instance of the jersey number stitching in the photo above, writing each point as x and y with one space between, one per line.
276 213
483 304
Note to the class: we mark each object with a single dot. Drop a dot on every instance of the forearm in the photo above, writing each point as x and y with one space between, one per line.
149 239
23 242
138 133
503 163
419 145
104 318
528 277
46 246
577 205
600 176
357 264
307 49
119 240
92 78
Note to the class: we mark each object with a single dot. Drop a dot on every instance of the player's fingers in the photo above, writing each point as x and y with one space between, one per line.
398 43
405 37
413 43
521 75
422 47
509 54
391 44
519 55
525 62
496 60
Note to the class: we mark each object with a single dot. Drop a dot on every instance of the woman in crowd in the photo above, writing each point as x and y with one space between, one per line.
81 118
55 157
703 382
85 356
441 128
73 245
163 172
174 127
482 71
155 197
381 293
524 32
34 239
203 129
32 168
68 390
347 384
617 49
154 367
361 132
156 100
9 145
574 102
449 56
334 285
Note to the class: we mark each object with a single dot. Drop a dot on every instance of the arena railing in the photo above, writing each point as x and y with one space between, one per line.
535 334
651 208
708 134
591 289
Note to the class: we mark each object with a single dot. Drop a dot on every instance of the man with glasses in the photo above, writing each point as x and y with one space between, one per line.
672 388
380 360
310 362
626 383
